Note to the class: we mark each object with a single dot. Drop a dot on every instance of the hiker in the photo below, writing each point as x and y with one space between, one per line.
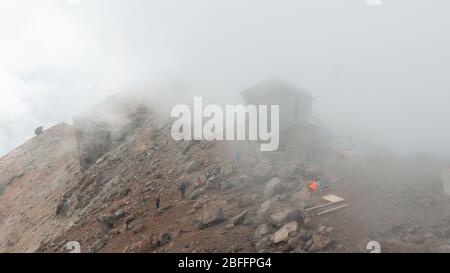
39 131
315 186
237 157
199 183
157 202
183 187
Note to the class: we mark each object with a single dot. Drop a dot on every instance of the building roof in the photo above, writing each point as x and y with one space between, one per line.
274 85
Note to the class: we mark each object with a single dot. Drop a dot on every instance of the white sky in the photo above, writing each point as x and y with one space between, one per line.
377 72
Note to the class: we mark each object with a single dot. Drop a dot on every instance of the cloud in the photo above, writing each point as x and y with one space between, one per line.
375 71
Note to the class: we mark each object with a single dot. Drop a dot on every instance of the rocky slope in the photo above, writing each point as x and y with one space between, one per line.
32 179
96 184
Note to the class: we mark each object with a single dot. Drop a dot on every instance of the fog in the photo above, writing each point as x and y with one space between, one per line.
378 73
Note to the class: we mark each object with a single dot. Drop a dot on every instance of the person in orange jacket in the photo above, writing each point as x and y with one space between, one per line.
315 185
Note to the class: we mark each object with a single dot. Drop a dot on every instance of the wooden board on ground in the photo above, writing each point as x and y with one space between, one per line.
331 201
332 209
333 198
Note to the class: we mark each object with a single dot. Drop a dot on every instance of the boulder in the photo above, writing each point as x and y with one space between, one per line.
263 244
311 172
273 188
196 194
212 216
297 215
262 230
264 208
193 166
280 217
282 235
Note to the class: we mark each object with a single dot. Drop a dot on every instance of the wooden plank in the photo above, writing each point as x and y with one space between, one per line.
332 209
333 198
319 206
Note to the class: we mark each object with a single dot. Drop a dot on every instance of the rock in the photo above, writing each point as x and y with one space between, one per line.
239 218
229 226
130 218
282 235
264 208
187 147
39 130
140 246
213 183
193 166
196 194
322 229
293 243
263 243
429 235
227 170
273 188
297 215
248 222
198 224
262 230
225 185
319 242
311 173
263 172
106 222
280 217
60 209
191 211
119 214
97 246
414 238
212 216
123 228
244 202
164 238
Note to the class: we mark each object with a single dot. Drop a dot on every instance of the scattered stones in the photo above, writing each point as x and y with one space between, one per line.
319 243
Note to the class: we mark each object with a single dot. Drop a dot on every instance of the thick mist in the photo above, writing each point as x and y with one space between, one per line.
379 74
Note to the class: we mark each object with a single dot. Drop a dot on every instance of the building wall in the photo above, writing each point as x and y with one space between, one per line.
292 109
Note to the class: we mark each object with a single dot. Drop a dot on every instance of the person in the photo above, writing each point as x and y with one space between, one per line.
182 187
157 202
312 187
319 185
315 186
199 183
237 157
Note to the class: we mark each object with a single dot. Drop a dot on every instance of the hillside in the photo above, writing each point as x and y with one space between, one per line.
73 187
96 183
